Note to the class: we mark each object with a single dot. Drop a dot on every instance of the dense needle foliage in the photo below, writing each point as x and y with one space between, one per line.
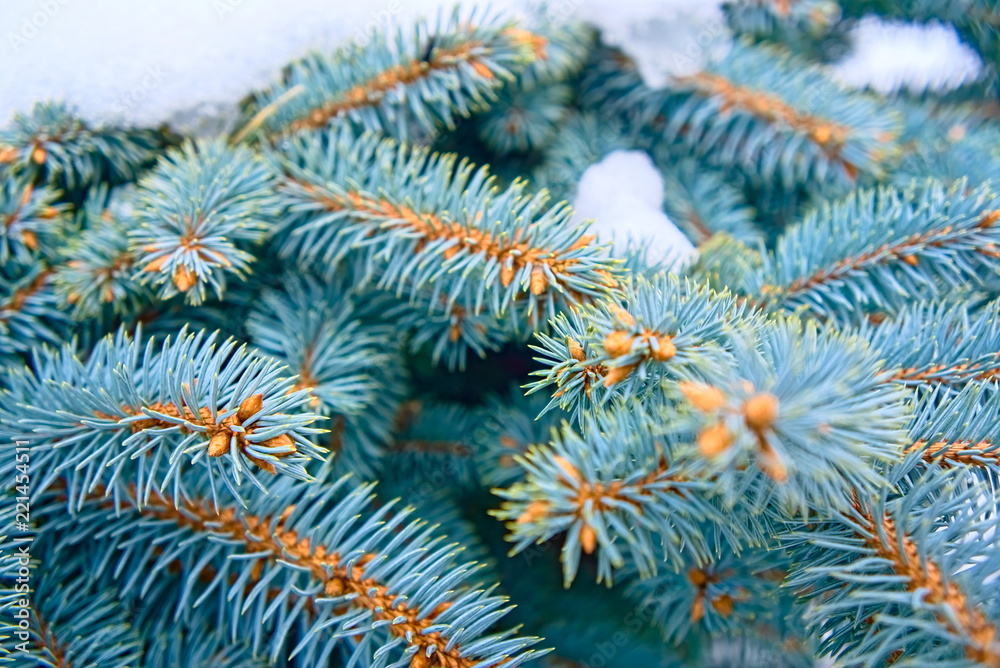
353 386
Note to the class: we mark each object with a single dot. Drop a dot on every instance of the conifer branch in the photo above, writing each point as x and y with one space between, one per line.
732 591
29 312
667 328
960 428
780 118
201 208
510 424
30 221
579 485
898 245
939 344
784 413
100 269
463 239
53 141
406 83
703 203
73 618
905 564
159 404
310 570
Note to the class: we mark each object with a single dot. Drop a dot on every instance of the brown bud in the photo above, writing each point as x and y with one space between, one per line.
482 70
723 604
588 538
524 37
38 155
219 445
821 134
262 463
281 441
623 316
665 349
420 660
909 259
538 281
250 406
30 239
567 467
7 154
617 374
535 511
506 275
335 587
989 219
618 343
705 398
184 278
454 332
157 264
771 465
761 411
697 609
714 440
697 577
575 350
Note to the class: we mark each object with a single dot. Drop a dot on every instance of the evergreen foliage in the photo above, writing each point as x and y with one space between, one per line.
343 387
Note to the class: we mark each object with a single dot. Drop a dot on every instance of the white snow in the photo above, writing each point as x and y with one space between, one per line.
889 55
623 194
665 37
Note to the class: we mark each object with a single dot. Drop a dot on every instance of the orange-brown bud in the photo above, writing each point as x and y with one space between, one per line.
714 440
617 374
665 349
761 411
618 343
250 406
219 444
705 398
575 350
184 278
588 538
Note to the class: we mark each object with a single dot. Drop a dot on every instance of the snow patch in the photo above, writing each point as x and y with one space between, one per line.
623 194
889 55
665 37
